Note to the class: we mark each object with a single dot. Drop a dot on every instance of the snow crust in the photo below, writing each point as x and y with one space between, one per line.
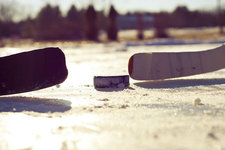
147 115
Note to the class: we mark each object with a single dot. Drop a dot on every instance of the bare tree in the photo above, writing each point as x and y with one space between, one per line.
140 26
220 16
7 11
112 24
91 23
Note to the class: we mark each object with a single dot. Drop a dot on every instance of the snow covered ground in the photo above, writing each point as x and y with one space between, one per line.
176 114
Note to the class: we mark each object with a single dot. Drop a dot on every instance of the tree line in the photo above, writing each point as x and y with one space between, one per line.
182 17
50 24
77 24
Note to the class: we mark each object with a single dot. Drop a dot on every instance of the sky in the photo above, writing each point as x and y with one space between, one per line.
32 7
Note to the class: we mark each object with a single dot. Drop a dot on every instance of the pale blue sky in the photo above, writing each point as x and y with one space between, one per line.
33 6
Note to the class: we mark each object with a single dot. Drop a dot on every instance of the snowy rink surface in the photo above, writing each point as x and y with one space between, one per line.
176 114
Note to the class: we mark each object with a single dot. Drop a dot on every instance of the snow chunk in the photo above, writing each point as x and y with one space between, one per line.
197 102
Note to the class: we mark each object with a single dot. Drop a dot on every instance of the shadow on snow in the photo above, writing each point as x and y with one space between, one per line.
179 83
41 105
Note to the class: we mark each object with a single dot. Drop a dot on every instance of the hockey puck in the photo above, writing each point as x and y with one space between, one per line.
111 81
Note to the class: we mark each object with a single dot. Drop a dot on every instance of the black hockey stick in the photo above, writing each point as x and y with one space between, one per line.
32 70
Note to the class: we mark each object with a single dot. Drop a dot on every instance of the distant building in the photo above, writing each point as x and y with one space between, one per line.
130 21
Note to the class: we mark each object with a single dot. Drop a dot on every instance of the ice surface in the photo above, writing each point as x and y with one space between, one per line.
147 115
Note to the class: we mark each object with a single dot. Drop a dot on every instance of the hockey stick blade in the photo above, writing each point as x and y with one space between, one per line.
32 70
165 65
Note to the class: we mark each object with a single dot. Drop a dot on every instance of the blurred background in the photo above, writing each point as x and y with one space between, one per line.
111 20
